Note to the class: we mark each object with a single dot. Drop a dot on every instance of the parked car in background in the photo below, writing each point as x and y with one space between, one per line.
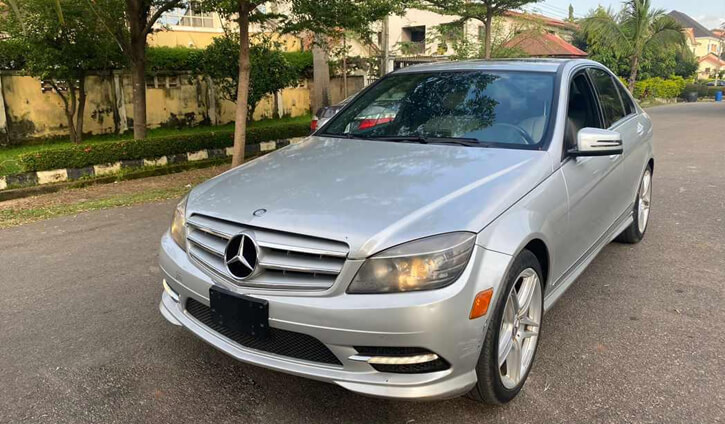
325 113
713 83
410 247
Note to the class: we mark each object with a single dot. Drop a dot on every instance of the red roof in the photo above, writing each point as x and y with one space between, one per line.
546 20
546 44
712 58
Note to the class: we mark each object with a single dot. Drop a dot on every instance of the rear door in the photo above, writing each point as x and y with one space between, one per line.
592 182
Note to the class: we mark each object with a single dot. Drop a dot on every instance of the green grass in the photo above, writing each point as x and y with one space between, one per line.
9 155
12 217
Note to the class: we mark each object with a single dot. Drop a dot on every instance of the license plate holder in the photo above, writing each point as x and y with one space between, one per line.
245 314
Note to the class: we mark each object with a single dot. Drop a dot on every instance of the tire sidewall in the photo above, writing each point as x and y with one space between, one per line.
640 235
502 394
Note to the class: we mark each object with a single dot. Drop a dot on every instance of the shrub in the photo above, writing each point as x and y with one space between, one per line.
702 90
659 87
301 62
83 155
171 59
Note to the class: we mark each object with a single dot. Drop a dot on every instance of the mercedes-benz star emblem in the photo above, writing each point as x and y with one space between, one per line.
241 256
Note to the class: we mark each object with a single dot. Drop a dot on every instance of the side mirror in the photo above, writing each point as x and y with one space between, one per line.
597 142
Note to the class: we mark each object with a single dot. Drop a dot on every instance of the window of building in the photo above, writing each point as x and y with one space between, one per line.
414 39
189 16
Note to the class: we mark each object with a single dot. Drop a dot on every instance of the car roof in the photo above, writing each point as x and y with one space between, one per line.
528 64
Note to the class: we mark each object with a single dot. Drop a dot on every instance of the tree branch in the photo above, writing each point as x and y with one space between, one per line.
157 14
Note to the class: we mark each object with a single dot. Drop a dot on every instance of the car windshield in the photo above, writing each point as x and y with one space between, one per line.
472 108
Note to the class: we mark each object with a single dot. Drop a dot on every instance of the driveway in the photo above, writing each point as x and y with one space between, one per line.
640 337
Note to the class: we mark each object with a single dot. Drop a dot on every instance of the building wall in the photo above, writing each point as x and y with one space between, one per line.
504 28
173 101
706 45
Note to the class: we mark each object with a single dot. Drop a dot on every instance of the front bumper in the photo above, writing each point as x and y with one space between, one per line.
436 320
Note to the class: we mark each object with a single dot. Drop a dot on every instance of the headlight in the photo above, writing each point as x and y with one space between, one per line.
178 223
425 264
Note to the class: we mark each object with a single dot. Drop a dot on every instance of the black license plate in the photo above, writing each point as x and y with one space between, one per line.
238 312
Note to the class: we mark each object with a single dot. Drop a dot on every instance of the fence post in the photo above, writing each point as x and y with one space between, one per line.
120 103
3 116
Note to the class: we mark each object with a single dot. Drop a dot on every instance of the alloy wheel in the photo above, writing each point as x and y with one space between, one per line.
645 197
519 332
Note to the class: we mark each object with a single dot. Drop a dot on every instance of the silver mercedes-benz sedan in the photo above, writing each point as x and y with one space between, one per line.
410 247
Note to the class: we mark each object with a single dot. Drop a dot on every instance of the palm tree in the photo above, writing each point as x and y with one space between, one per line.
633 30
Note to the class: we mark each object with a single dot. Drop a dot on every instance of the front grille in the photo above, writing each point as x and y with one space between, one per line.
287 261
279 342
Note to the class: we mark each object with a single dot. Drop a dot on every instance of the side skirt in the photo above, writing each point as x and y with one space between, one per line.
575 271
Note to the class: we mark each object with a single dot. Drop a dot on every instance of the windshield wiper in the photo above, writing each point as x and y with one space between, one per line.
461 141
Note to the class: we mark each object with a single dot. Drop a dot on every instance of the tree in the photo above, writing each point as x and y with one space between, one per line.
301 15
570 18
465 46
632 31
482 10
131 22
328 20
243 12
60 45
270 71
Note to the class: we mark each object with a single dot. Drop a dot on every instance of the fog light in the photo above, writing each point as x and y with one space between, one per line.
480 304
396 360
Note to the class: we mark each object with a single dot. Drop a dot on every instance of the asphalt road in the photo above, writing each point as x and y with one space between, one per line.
640 337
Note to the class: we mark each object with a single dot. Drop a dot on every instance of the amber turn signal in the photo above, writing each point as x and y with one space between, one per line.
480 304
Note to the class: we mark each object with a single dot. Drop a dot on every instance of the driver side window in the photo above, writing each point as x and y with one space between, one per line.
582 110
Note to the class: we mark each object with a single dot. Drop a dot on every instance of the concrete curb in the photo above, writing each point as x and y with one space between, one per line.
30 179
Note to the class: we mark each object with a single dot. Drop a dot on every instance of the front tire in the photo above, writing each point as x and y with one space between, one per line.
635 232
513 334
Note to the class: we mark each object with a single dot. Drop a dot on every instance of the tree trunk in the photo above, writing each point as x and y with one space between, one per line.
242 110
633 72
138 77
487 42
81 108
321 76
69 104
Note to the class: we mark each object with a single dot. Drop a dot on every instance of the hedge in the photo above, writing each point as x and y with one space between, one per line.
702 90
83 155
172 59
659 88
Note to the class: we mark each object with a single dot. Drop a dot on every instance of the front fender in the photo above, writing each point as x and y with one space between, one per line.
541 214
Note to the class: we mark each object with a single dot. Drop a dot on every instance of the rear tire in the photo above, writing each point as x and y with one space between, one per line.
635 232
494 385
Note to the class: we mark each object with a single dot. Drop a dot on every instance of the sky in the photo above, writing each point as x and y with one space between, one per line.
710 13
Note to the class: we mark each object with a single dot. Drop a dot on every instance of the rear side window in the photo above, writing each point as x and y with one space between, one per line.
626 100
608 97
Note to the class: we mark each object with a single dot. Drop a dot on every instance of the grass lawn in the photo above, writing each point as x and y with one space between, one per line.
103 196
9 155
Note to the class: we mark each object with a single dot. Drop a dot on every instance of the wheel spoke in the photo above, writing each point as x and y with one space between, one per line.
513 362
528 321
529 333
525 295
504 347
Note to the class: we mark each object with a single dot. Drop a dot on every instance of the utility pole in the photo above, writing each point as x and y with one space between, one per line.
321 75
386 47
344 65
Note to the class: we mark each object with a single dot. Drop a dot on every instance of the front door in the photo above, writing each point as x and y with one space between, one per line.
592 182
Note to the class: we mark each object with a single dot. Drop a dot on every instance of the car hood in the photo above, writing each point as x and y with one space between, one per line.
372 194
